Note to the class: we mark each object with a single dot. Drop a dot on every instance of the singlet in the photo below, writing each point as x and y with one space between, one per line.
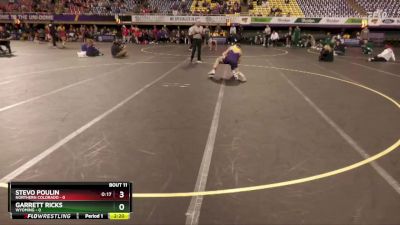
234 54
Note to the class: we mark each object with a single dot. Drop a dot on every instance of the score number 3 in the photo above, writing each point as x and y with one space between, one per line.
121 206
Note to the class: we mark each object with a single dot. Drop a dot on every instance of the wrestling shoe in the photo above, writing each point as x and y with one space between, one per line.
241 77
212 72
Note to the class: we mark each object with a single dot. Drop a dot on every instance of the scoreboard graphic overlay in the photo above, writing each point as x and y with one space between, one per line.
70 200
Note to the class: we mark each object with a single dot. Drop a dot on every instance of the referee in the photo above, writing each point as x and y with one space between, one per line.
197 32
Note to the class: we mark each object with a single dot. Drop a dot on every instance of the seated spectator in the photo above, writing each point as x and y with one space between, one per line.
384 56
274 38
118 50
84 46
91 50
274 10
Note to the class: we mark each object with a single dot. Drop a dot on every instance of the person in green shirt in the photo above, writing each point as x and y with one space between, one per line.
367 47
296 36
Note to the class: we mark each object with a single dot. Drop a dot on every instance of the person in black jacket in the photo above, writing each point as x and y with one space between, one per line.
53 34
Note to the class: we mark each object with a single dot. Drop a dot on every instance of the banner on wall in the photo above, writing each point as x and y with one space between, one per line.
27 17
188 20
356 21
333 20
307 20
328 21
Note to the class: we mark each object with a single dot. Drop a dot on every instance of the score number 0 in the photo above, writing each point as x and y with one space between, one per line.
121 206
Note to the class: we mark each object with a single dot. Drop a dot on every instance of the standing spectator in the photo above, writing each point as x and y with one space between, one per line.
190 39
289 38
125 34
83 33
232 34
267 32
47 33
62 33
207 34
155 33
364 36
296 36
53 34
197 32
134 37
186 38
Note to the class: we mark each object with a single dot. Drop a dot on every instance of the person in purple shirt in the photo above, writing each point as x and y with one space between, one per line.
230 57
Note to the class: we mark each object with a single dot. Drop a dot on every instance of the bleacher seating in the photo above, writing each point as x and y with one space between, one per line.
260 10
329 8
291 8
215 8
391 7
168 6
95 6
299 8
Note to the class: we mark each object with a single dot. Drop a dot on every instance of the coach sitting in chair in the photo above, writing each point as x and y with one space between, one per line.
5 38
